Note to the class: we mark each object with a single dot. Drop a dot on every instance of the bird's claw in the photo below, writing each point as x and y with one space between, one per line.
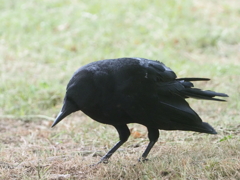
103 160
142 159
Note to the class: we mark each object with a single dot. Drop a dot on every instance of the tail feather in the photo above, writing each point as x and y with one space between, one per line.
199 94
203 128
193 79
188 91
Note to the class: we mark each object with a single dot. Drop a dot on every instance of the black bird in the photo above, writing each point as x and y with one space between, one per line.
135 90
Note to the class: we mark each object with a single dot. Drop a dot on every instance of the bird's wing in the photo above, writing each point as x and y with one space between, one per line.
157 99
178 110
161 110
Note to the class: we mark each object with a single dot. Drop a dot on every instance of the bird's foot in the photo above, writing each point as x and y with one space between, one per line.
104 160
143 159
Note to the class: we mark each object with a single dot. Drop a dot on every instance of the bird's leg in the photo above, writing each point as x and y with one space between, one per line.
153 135
124 133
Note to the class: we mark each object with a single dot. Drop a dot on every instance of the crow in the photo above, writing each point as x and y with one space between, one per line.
135 90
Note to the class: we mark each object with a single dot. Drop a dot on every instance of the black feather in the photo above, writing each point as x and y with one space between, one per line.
135 90
193 79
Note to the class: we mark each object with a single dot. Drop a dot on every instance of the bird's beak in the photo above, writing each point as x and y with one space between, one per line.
58 118
67 109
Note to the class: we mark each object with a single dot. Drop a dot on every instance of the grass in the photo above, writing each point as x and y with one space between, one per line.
43 42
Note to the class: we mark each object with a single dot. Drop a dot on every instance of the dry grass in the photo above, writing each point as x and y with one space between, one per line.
32 150
43 42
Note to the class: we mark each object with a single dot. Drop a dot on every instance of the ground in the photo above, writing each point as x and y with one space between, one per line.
31 149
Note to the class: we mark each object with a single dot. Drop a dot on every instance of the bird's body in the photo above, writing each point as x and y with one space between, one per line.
135 90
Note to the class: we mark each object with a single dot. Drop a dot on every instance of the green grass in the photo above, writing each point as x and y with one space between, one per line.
43 42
